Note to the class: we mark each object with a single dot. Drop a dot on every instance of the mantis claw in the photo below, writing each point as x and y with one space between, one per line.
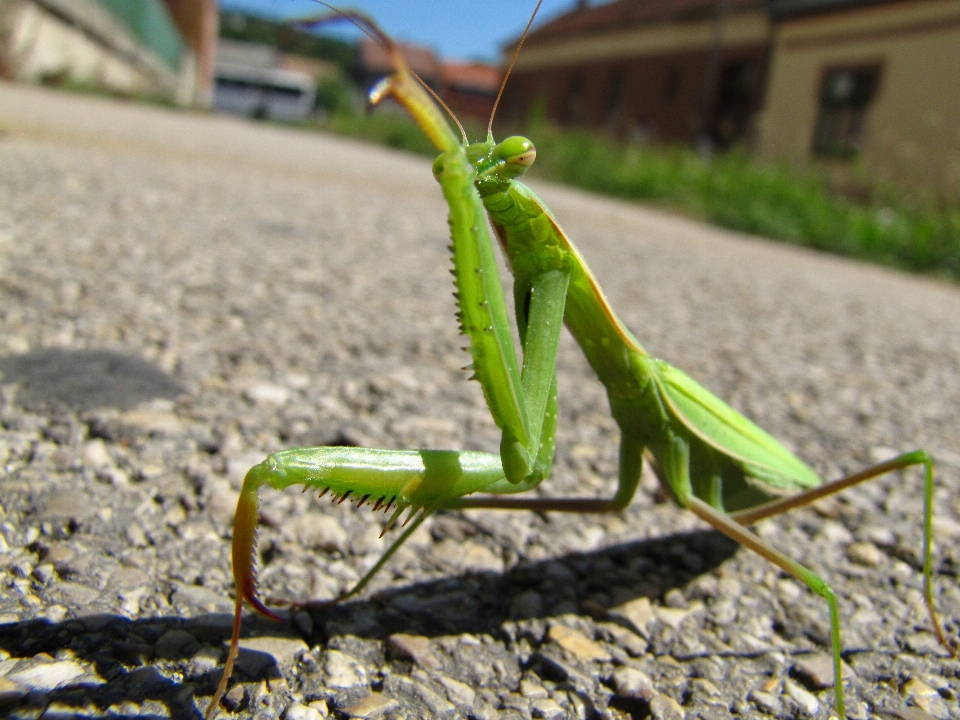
244 552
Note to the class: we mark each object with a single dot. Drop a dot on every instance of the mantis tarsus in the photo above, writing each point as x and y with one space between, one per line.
708 458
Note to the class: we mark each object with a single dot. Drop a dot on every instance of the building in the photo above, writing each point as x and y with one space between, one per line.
877 81
374 62
663 70
470 88
250 80
158 48
865 85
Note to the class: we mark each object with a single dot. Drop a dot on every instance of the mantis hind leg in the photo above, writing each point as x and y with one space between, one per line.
745 537
917 457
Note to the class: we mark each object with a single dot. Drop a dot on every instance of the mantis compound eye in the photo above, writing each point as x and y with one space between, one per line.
517 152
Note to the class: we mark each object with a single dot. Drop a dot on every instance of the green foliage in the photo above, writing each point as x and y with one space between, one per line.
251 28
384 128
338 96
736 191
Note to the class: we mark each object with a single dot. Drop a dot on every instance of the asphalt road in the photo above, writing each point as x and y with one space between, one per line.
182 293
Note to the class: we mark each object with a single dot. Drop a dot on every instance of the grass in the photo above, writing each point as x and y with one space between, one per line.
732 190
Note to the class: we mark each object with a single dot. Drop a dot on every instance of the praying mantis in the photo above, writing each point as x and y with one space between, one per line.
708 457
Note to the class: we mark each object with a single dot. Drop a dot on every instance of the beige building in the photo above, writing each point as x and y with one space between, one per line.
876 82
859 86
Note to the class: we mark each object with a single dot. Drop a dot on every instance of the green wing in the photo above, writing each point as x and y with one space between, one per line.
719 425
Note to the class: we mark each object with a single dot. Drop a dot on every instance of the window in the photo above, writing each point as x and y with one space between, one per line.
573 109
671 84
845 96
618 80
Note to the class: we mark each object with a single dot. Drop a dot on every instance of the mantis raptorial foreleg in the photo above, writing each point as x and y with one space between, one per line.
708 457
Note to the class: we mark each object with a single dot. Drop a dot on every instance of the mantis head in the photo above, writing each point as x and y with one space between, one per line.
496 164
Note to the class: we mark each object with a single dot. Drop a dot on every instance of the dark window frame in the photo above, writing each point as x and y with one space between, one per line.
840 129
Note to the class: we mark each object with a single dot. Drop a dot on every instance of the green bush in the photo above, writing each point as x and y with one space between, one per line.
336 95
738 192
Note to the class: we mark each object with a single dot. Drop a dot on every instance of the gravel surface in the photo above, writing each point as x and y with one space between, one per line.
182 294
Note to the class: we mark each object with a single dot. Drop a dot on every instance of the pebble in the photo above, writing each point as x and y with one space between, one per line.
636 615
664 707
124 709
299 711
674 617
912 713
372 706
531 688
77 593
706 690
343 671
806 700
438 705
468 556
58 554
205 660
197 596
766 702
267 394
95 454
45 573
926 698
151 423
547 708
284 649
222 504
631 683
136 535
414 647
176 644
319 532
10 692
630 641
789 591
835 533
865 553
236 698
459 692
128 577
71 504
47 676
577 644
818 670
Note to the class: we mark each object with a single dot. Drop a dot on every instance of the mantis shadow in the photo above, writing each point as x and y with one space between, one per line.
85 380
135 659
481 602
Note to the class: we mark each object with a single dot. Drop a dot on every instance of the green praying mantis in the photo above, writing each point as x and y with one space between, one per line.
708 457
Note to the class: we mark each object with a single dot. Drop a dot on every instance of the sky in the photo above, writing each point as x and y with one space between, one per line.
456 29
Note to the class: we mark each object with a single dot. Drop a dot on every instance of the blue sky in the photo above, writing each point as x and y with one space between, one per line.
457 29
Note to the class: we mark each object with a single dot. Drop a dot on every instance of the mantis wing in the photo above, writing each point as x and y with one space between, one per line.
722 427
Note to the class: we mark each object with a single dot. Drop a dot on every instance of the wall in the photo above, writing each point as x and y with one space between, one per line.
646 83
912 130
80 42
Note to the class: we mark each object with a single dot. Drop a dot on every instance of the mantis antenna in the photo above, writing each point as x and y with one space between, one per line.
510 68
369 28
